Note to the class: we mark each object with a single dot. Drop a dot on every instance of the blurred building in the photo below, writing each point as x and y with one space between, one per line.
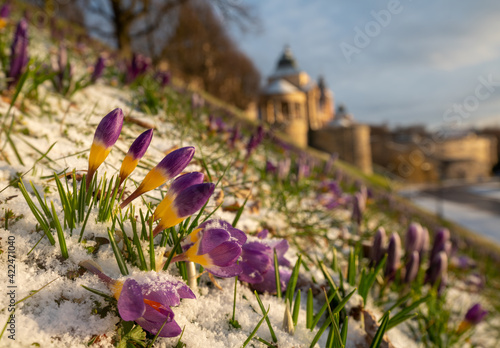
293 103
344 136
418 156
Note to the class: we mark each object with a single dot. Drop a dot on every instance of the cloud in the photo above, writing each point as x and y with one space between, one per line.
426 58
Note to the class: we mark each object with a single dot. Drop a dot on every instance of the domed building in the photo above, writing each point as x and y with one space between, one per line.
293 103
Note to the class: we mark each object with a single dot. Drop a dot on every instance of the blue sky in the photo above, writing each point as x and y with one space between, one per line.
422 62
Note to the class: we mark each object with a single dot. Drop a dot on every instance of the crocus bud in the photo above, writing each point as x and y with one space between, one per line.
135 153
105 137
377 251
99 66
358 208
441 242
412 266
235 135
425 241
19 53
393 256
169 167
437 272
5 10
414 238
255 140
216 246
188 202
476 314
179 185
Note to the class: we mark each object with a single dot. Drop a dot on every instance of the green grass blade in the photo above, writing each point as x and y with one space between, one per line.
60 233
290 289
118 254
273 335
379 335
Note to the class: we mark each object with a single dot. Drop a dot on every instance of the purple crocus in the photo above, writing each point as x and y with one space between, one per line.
163 78
138 66
178 185
148 303
393 256
18 53
412 266
377 251
105 137
135 153
441 243
186 203
437 273
99 66
358 208
169 167
476 314
216 246
414 238
235 135
257 262
255 140
5 11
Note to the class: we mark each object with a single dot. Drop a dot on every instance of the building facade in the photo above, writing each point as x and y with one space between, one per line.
293 103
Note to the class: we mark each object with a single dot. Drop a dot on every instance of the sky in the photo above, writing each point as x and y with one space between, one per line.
435 63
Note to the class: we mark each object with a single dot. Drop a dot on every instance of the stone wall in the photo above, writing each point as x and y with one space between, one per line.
351 143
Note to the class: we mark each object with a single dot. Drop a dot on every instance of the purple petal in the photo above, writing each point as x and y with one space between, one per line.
225 272
412 267
171 329
250 274
140 145
109 128
225 254
263 234
131 304
175 162
281 248
193 198
212 238
269 283
476 314
393 255
184 181
377 251
414 238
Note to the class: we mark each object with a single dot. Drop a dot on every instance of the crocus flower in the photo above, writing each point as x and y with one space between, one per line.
257 262
441 243
169 167
235 135
18 53
412 267
135 153
187 202
105 137
216 246
138 66
99 66
437 271
358 208
148 304
255 140
393 256
5 10
163 78
414 238
180 184
377 251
